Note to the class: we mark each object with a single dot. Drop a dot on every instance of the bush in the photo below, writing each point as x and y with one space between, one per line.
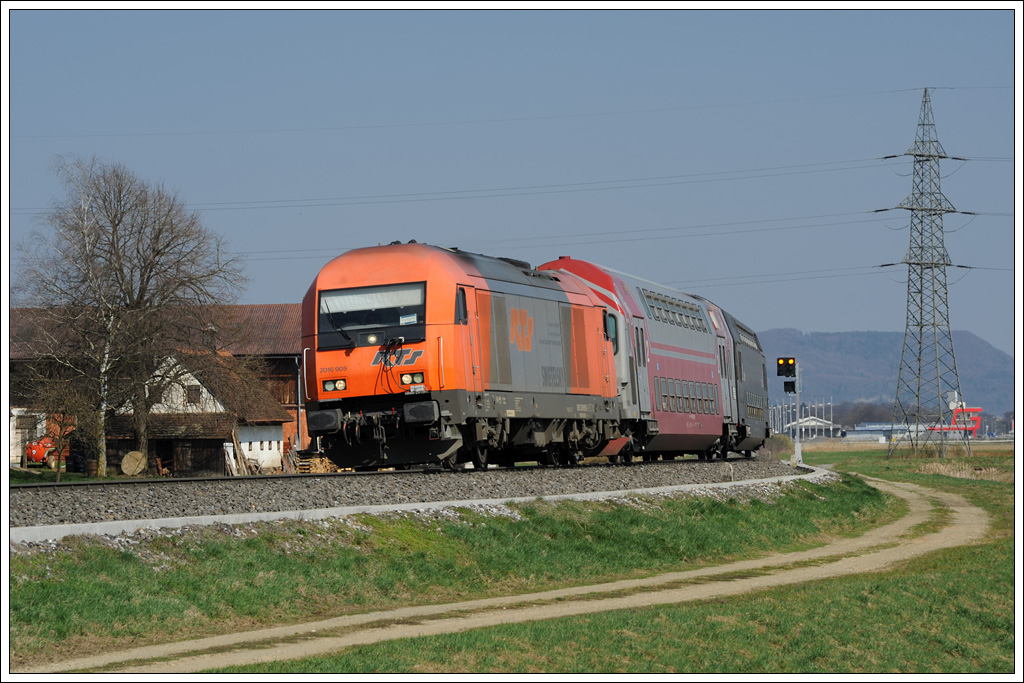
779 444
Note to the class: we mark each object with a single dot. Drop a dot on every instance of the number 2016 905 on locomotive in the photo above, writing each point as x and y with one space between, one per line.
418 355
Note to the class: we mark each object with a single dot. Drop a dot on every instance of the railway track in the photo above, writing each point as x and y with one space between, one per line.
185 481
227 498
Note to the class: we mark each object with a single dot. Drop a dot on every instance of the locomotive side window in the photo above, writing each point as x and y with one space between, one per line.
461 310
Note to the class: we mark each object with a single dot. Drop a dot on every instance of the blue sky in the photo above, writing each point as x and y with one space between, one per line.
733 154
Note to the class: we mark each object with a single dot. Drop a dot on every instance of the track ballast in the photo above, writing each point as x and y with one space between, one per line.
38 506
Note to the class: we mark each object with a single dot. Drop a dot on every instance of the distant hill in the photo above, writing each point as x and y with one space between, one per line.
864 366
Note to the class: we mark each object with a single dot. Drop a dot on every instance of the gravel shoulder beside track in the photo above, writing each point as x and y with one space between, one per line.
50 513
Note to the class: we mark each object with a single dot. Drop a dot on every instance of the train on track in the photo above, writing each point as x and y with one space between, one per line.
415 355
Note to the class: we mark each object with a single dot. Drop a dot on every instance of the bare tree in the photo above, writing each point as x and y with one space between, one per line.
66 407
122 276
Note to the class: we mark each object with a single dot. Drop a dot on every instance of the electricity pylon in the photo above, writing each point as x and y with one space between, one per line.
928 389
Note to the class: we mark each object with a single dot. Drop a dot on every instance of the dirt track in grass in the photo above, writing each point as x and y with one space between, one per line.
876 550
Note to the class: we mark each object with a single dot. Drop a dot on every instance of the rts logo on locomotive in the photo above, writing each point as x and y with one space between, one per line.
397 357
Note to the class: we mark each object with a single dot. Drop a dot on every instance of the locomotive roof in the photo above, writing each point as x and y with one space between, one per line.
492 268
506 269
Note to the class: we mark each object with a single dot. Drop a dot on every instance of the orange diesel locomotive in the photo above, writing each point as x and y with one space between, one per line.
417 354
414 354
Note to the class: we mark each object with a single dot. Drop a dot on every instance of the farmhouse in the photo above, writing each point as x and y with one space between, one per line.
209 420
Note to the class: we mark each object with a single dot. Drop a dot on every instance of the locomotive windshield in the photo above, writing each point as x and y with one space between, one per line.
372 316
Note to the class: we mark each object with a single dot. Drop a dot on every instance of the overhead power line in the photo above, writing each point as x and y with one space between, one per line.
525 190
515 119
521 190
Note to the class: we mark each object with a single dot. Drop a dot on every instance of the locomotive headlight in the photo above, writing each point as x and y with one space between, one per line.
334 385
418 378
372 338
407 378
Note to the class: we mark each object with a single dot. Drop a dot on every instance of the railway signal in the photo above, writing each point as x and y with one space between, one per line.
787 367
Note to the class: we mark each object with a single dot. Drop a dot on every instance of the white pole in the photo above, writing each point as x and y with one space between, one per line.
798 456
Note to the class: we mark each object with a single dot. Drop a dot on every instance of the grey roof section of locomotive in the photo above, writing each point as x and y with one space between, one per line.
508 271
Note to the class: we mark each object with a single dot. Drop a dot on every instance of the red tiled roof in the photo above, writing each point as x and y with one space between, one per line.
261 329
176 426
25 326
266 329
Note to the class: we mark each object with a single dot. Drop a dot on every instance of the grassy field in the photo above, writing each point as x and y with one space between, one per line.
949 612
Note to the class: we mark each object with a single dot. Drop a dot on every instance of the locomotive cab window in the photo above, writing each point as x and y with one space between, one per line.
611 331
372 316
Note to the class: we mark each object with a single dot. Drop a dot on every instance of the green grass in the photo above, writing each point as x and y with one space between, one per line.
932 616
40 474
91 596
951 611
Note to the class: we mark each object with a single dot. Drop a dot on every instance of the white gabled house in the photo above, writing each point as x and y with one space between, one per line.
209 410
207 413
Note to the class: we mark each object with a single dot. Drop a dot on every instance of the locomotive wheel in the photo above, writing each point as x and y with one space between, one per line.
479 456
449 463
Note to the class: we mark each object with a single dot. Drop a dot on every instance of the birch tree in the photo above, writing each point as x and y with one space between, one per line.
121 276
